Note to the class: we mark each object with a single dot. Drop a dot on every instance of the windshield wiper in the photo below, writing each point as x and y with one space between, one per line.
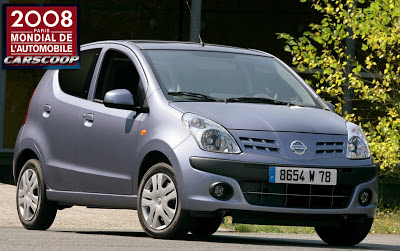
194 95
258 100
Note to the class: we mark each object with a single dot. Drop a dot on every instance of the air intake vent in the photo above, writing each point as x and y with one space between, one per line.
260 144
330 148
296 195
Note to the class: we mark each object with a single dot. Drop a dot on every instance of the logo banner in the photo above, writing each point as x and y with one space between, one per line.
40 36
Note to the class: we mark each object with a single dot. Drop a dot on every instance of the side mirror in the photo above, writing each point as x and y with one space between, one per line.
330 106
122 99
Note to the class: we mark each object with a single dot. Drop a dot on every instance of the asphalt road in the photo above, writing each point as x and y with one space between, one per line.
17 238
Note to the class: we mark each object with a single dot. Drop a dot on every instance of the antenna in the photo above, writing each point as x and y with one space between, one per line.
195 25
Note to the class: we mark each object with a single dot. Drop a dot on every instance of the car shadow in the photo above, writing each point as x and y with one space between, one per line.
249 240
129 122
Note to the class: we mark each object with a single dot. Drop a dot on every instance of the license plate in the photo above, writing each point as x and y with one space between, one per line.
313 176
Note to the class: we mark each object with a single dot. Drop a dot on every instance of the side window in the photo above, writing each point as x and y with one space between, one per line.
118 72
77 82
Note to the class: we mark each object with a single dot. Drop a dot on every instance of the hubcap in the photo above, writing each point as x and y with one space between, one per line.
28 194
159 201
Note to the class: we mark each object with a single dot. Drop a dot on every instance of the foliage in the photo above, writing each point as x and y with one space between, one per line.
373 74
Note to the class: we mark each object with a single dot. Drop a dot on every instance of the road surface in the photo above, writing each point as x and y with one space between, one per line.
17 238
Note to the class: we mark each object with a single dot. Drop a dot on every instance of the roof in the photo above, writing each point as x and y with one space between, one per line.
185 45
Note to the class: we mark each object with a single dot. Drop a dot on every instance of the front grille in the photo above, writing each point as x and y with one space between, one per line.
330 147
260 144
296 195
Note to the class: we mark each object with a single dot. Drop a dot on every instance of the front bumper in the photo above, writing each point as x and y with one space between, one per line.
257 190
195 175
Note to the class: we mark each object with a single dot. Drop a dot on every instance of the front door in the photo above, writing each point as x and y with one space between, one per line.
107 136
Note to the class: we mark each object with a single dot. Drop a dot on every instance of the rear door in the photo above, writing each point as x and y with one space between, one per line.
58 125
107 136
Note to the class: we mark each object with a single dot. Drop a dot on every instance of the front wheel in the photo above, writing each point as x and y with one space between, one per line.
348 234
159 207
34 210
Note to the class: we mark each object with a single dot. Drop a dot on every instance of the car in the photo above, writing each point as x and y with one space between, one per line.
186 134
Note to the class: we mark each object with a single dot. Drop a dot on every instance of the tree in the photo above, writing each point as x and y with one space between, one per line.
373 75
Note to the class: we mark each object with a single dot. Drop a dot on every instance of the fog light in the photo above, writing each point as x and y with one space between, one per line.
365 197
221 191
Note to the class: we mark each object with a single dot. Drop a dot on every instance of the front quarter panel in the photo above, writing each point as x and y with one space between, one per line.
164 131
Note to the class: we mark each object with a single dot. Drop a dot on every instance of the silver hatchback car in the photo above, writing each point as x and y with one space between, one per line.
186 134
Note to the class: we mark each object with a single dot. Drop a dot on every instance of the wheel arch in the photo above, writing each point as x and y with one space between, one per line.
22 158
148 161
154 151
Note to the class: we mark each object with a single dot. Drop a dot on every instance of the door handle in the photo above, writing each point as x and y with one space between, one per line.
46 111
89 118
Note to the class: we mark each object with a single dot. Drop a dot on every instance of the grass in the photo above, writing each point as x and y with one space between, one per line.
386 222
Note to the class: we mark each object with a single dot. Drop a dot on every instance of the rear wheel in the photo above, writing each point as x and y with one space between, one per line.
205 226
348 234
159 207
34 210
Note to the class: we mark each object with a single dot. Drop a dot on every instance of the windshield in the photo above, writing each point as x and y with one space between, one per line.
218 76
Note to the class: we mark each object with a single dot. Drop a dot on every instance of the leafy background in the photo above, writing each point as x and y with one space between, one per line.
368 79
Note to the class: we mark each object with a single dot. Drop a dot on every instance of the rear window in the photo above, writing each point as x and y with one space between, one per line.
77 82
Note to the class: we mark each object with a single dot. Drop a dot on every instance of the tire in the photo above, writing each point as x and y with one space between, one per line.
159 210
31 193
348 234
205 226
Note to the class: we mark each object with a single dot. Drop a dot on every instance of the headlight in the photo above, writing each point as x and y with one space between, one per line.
357 146
210 136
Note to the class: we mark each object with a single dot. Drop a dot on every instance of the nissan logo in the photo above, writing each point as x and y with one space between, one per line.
298 147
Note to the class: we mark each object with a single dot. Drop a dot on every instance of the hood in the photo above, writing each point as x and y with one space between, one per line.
265 117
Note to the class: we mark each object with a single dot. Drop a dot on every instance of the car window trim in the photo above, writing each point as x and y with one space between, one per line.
135 60
90 72
101 67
